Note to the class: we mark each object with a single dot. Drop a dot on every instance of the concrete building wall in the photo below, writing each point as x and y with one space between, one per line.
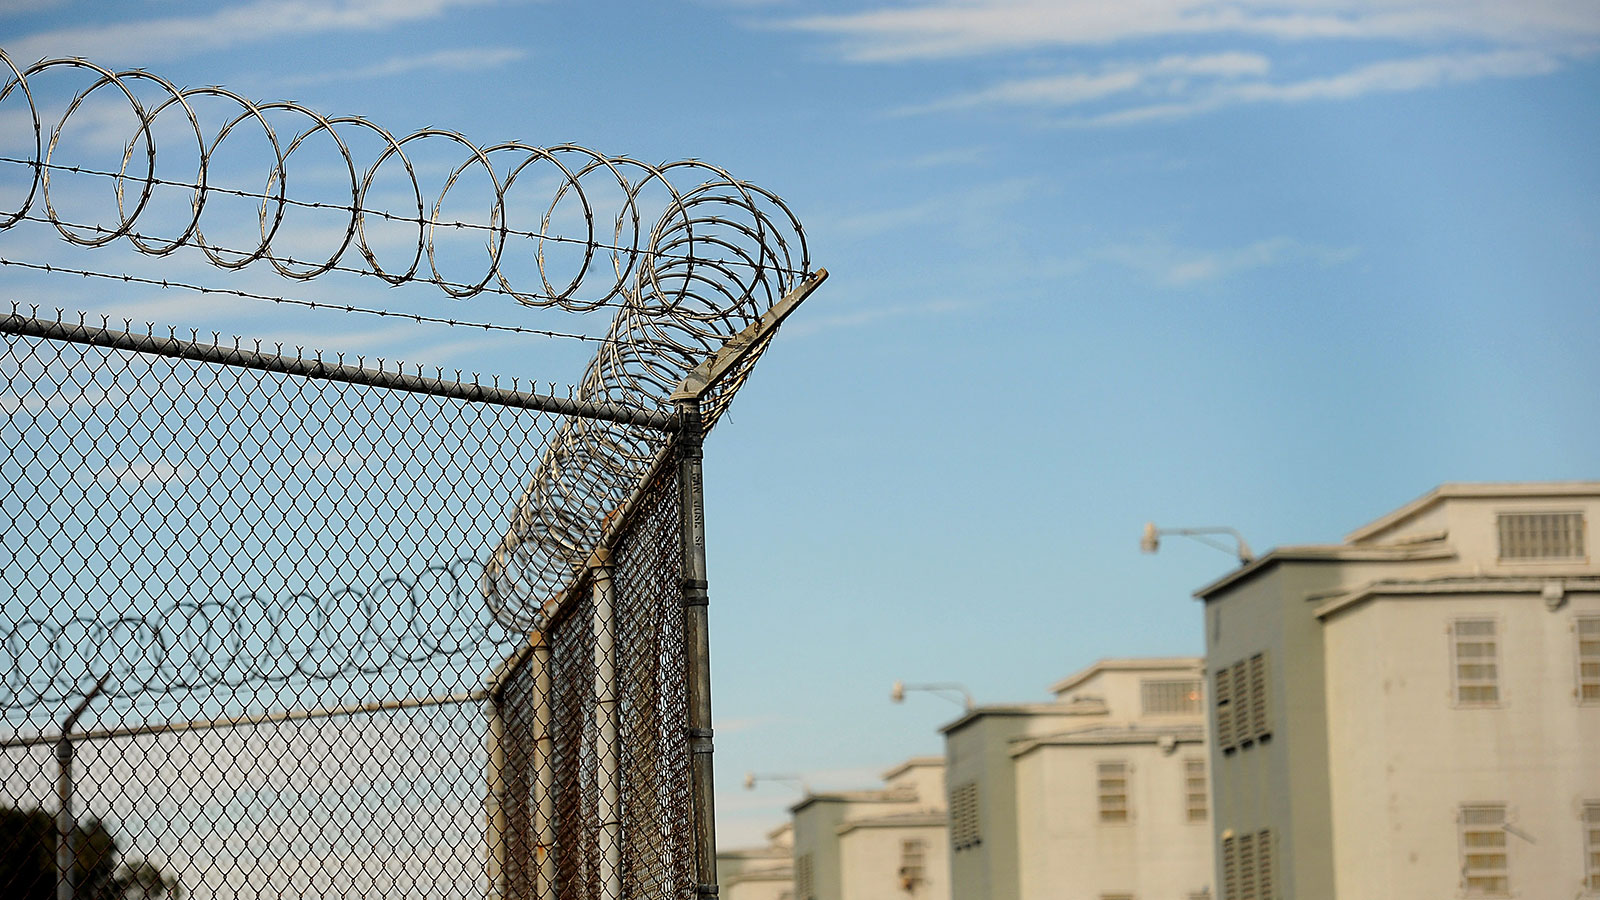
977 753
1372 755
872 857
1406 755
1067 853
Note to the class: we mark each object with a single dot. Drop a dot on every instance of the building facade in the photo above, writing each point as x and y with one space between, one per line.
1100 794
759 873
883 844
1414 712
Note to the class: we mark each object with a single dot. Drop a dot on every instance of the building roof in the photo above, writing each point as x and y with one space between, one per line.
1084 707
920 819
1454 587
1112 735
914 762
1473 490
1127 664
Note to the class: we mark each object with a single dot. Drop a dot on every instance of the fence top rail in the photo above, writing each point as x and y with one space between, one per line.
170 345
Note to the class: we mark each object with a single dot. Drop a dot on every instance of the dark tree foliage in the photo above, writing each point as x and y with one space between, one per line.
28 858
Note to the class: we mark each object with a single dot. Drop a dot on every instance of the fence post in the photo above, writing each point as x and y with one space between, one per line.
605 720
697 644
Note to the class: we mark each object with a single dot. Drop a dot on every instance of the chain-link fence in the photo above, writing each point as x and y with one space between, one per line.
247 653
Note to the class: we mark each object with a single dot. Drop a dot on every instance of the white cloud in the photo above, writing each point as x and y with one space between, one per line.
470 59
149 40
1179 267
1077 88
1297 50
1389 76
970 27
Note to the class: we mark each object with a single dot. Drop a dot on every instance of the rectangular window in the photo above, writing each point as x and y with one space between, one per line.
1230 868
1116 897
913 863
1194 789
1244 713
1264 864
1591 847
1113 791
1260 728
1589 659
804 886
1223 695
964 817
1247 866
1170 697
1477 669
1484 869
1541 535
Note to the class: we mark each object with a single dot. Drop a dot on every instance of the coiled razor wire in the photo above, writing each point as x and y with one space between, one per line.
719 254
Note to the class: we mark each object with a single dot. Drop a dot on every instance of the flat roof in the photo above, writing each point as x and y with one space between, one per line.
1127 664
1474 489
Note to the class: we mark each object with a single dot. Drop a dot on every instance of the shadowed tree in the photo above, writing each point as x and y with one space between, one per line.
28 861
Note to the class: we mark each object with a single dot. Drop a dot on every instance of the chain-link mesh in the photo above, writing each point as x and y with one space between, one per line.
262 590
557 702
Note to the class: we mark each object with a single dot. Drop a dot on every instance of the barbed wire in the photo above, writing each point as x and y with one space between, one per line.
689 256
319 205
292 301
249 638
717 208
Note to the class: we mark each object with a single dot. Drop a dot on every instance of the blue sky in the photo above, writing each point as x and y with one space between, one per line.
1276 265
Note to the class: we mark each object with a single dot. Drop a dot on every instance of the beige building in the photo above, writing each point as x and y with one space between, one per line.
1099 794
1414 712
759 873
884 844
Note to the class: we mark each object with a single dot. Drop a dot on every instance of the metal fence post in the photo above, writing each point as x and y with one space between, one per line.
607 754
697 642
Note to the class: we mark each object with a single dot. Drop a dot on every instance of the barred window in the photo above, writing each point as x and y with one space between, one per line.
1588 629
804 884
1242 702
1170 696
1113 791
1194 788
964 831
1591 847
913 862
1247 872
1541 535
1477 669
1484 869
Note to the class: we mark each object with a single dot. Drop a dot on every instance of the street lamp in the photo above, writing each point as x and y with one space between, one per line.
1151 542
750 779
943 689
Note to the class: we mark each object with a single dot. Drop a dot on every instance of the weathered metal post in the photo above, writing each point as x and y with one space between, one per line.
697 643
607 753
65 822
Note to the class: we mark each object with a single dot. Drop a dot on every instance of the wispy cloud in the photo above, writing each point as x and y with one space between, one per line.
1179 267
469 59
1391 76
150 40
1075 88
970 27
1283 57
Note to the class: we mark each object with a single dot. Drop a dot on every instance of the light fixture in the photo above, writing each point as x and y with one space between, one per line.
1151 542
897 692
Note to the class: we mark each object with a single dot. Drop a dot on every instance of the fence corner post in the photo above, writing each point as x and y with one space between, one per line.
697 642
